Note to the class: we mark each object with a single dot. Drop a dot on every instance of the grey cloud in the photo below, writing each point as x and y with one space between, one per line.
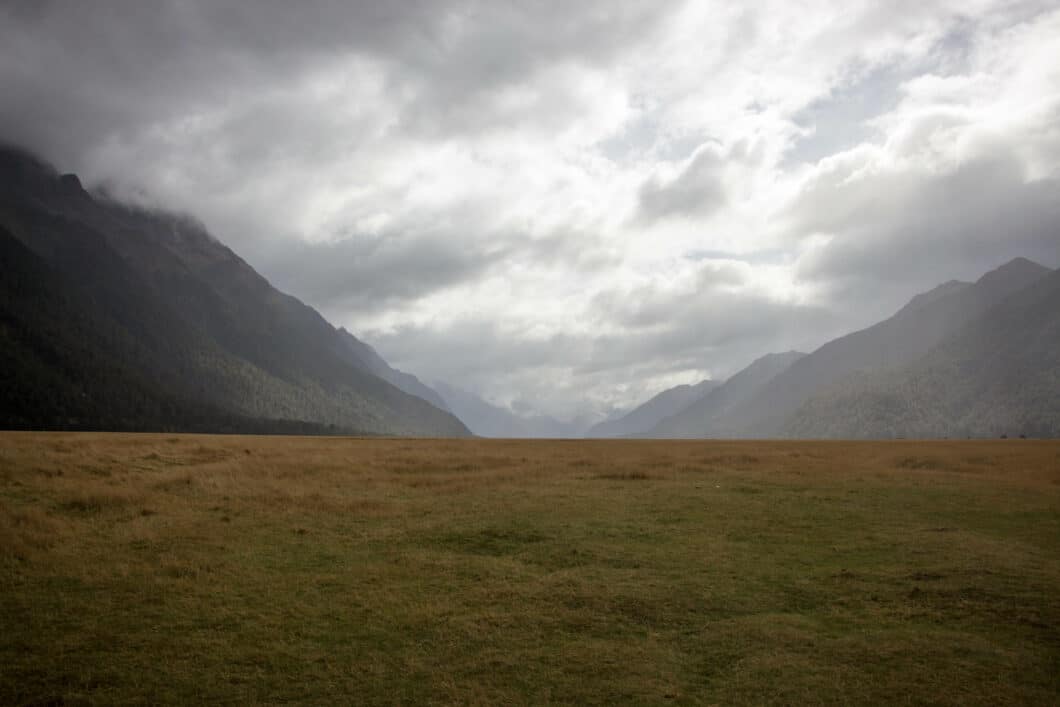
225 108
698 191
76 74
369 273
214 107
477 347
651 333
901 233
649 307
458 87
716 330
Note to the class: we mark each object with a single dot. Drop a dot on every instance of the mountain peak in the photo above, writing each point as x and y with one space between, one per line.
1012 276
1015 269
70 185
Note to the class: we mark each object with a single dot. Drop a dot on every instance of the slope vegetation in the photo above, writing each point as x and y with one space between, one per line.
163 313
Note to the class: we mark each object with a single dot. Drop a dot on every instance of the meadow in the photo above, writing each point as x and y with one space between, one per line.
243 570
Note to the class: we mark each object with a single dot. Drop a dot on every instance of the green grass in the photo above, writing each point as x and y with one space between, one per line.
150 568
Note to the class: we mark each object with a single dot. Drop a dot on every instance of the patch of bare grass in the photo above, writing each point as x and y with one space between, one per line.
26 532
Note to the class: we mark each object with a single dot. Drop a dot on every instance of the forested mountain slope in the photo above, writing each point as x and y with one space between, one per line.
912 332
998 375
161 307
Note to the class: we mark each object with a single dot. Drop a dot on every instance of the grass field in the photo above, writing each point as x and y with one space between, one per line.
181 569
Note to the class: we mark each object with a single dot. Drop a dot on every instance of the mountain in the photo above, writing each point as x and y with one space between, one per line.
912 332
377 366
487 420
998 375
647 415
697 419
95 290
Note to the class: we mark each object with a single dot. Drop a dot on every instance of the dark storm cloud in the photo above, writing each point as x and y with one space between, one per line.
218 105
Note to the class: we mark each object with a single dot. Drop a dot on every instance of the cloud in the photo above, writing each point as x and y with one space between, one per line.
369 272
965 178
697 191
571 205
711 320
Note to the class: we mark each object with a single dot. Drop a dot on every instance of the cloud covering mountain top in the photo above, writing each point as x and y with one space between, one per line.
613 197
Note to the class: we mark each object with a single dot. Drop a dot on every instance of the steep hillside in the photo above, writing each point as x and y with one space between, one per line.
649 414
998 375
183 312
698 419
912 332
375 364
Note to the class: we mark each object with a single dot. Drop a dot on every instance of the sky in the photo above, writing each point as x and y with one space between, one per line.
566 207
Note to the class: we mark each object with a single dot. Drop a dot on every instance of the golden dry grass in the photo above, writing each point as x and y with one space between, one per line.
174 568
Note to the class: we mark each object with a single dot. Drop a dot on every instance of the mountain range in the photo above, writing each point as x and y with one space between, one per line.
965 359
123 318
115 317
999 374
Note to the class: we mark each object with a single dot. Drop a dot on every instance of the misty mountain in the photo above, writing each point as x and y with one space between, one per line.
998 374
176 325
912 332
699 418
487 420
646 416
372 362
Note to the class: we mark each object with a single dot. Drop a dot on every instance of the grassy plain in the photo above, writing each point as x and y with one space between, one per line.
182 569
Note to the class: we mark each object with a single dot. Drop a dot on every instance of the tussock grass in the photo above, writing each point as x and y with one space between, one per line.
182 569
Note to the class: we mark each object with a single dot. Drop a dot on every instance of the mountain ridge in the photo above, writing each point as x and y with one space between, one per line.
210 329
908 334
697 419
997 375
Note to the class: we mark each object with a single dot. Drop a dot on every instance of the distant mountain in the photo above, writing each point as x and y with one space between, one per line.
115 317
647 415
998 374
377 366
912 332
487 420
699 418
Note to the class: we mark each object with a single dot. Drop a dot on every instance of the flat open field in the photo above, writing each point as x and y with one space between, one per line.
172 568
